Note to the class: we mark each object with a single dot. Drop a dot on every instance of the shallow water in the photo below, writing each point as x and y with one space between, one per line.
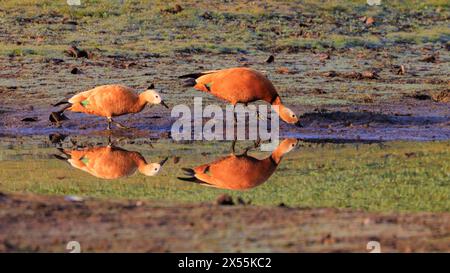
315 173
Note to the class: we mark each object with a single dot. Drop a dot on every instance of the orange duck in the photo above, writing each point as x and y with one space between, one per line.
108 101
241 85
239 172
110 162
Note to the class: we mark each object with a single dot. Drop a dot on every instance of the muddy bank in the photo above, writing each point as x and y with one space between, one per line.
40 224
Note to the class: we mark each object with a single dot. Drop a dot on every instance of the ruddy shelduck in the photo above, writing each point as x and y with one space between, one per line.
238 172
109 101
109 162
242 85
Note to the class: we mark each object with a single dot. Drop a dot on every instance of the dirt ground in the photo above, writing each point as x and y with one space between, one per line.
350 71
47 224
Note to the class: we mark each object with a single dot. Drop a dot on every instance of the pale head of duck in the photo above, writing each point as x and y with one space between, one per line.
152 97
288 115
152 169
285 113
287 145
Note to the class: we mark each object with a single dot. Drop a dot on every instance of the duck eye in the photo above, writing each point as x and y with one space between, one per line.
293 115
156 169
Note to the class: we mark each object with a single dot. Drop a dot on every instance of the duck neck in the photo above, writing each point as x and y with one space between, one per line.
277 104
277 155
139 161
139 104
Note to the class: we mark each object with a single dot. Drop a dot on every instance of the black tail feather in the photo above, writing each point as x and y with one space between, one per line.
189 179
193 180
192 75
61 102
60 157
189 82
188 171
61 150
191 176
58 116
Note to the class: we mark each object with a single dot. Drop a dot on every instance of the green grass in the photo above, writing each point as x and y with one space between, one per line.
222 28
397 176
422 35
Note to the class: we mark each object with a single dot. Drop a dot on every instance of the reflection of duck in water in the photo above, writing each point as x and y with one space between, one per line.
239 171
110 162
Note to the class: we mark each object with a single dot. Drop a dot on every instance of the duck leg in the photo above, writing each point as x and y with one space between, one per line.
121 126
261 116
233 146
257 142
110 142
109 123
234 114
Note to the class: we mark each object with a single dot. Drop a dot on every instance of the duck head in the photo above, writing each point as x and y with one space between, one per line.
286 114
287 145
152 169
283 148
151 96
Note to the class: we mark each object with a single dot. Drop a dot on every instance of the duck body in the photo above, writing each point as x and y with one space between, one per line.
237 85
241 85
106 162
107 101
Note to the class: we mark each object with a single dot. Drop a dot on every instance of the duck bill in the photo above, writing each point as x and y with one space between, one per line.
164 104
298 124
162 162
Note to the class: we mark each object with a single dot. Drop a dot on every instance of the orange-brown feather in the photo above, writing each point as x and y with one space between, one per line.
106 162
236 172
237 85
107 101
243 171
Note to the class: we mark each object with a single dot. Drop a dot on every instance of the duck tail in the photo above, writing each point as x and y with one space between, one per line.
61 102
191 176
59 157
190 79
196 75
188 171
189 179
65 152
192 75
65 155
58 116
194 180
63 158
